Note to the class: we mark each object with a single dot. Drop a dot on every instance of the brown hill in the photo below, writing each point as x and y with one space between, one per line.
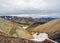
50 27
14 29
4 38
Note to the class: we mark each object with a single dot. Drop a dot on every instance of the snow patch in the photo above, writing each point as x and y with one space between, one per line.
25 27
40 37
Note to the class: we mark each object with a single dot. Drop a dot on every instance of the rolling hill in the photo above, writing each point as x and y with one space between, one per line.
50 28
14 29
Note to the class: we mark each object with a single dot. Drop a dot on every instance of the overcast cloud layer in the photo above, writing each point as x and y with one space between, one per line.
33 8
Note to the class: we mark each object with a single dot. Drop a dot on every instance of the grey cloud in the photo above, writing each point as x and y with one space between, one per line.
38 7
34 11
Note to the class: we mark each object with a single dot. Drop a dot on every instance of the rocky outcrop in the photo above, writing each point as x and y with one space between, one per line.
4 38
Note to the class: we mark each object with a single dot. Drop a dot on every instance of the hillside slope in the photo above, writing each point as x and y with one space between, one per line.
15 30
50 27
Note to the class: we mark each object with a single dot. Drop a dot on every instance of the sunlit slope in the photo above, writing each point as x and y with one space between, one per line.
5 26
14 29
50 27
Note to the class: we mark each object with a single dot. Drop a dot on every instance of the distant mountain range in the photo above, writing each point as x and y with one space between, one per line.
27 18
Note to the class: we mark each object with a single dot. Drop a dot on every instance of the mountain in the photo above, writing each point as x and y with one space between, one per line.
4 38
14 29
50 27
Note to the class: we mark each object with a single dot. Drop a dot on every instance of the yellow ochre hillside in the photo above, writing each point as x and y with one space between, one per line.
51 27
14 29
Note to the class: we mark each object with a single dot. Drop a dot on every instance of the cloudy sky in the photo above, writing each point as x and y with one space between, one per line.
33 8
